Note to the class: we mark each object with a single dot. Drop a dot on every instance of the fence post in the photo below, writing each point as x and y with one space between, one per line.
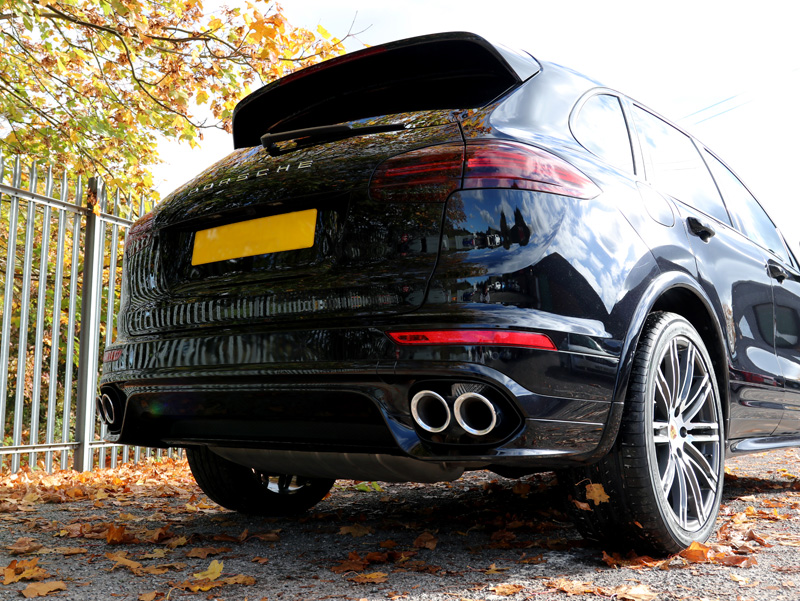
89 336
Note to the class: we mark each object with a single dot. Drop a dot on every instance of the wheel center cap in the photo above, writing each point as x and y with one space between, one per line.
673 432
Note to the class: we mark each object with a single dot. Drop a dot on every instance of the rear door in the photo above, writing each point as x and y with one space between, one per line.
750 219
731 269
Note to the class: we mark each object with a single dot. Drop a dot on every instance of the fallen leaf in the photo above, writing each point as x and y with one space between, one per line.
42 589
426 540
637 592
493 569
581 505
571 587
353 563
24 545
596 493
212 573
372 578
121 559
261 560
203 552
148 596
696 552
356 530
115 534
504 590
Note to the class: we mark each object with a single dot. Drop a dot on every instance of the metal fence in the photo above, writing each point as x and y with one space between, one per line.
62 242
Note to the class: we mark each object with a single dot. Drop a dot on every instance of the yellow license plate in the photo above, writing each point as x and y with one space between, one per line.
276 233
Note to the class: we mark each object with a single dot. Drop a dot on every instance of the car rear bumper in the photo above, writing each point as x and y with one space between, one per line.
348 390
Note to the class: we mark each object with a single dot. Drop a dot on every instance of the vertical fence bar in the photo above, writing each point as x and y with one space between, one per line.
55 332
41 302
87 357
71 313
8 294
22 351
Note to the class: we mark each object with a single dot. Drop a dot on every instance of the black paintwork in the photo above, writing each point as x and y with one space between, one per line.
288 350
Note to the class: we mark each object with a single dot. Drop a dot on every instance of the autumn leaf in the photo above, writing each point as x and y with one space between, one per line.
493 569
596 493
152 596
637 592
426 540
371 578
353 563
115 534
203 552
581 505
120 558
23 570
696 552
356 530
42 589
24 545
212 573
571 587
505 590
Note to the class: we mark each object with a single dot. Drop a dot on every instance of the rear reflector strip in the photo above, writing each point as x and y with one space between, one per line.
474 337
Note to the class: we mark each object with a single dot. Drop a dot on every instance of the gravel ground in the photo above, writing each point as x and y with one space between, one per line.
481 537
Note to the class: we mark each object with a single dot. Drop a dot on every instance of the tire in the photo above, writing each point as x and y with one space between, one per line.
665 472
249 491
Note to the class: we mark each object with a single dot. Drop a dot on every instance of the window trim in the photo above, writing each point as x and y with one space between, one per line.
698 146
578 107
737 222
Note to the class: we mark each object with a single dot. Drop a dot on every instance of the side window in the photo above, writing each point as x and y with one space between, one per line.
748 216
673 164
600 128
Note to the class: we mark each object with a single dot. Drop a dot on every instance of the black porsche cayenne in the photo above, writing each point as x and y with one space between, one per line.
440 255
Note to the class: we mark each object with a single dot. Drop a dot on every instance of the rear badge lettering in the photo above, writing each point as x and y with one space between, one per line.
249 176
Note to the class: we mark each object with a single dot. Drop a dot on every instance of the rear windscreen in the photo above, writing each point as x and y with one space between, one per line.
436 72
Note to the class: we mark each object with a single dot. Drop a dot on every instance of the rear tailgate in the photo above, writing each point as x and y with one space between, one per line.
300 235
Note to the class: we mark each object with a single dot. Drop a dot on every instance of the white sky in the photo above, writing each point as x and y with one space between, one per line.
736 62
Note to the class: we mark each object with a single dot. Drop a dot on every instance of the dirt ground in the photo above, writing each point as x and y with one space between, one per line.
147 533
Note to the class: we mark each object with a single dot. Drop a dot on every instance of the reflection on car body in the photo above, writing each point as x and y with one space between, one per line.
483 261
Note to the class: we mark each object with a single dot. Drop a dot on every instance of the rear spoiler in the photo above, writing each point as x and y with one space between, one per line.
441 71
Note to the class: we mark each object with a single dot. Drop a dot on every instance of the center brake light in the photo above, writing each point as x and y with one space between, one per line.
474 337
431 174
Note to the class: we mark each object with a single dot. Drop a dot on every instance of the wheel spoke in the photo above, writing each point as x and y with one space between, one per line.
701 466
668 479
696 493
663 396
681 498
674 375
697 399
686 375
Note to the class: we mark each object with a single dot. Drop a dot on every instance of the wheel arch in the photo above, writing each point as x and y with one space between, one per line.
679 293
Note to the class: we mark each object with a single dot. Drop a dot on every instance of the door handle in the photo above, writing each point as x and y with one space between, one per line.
702 230
776 272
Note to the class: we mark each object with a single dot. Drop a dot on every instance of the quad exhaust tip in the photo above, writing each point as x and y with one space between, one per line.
475 413
430 411
110 410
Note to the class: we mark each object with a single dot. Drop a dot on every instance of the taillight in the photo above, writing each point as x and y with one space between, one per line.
423 175
495 164
431 174
474 337
139 234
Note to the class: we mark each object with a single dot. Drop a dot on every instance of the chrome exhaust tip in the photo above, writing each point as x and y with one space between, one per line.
475 413
108 412
430 411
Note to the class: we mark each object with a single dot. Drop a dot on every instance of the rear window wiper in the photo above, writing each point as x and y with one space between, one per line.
318 135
